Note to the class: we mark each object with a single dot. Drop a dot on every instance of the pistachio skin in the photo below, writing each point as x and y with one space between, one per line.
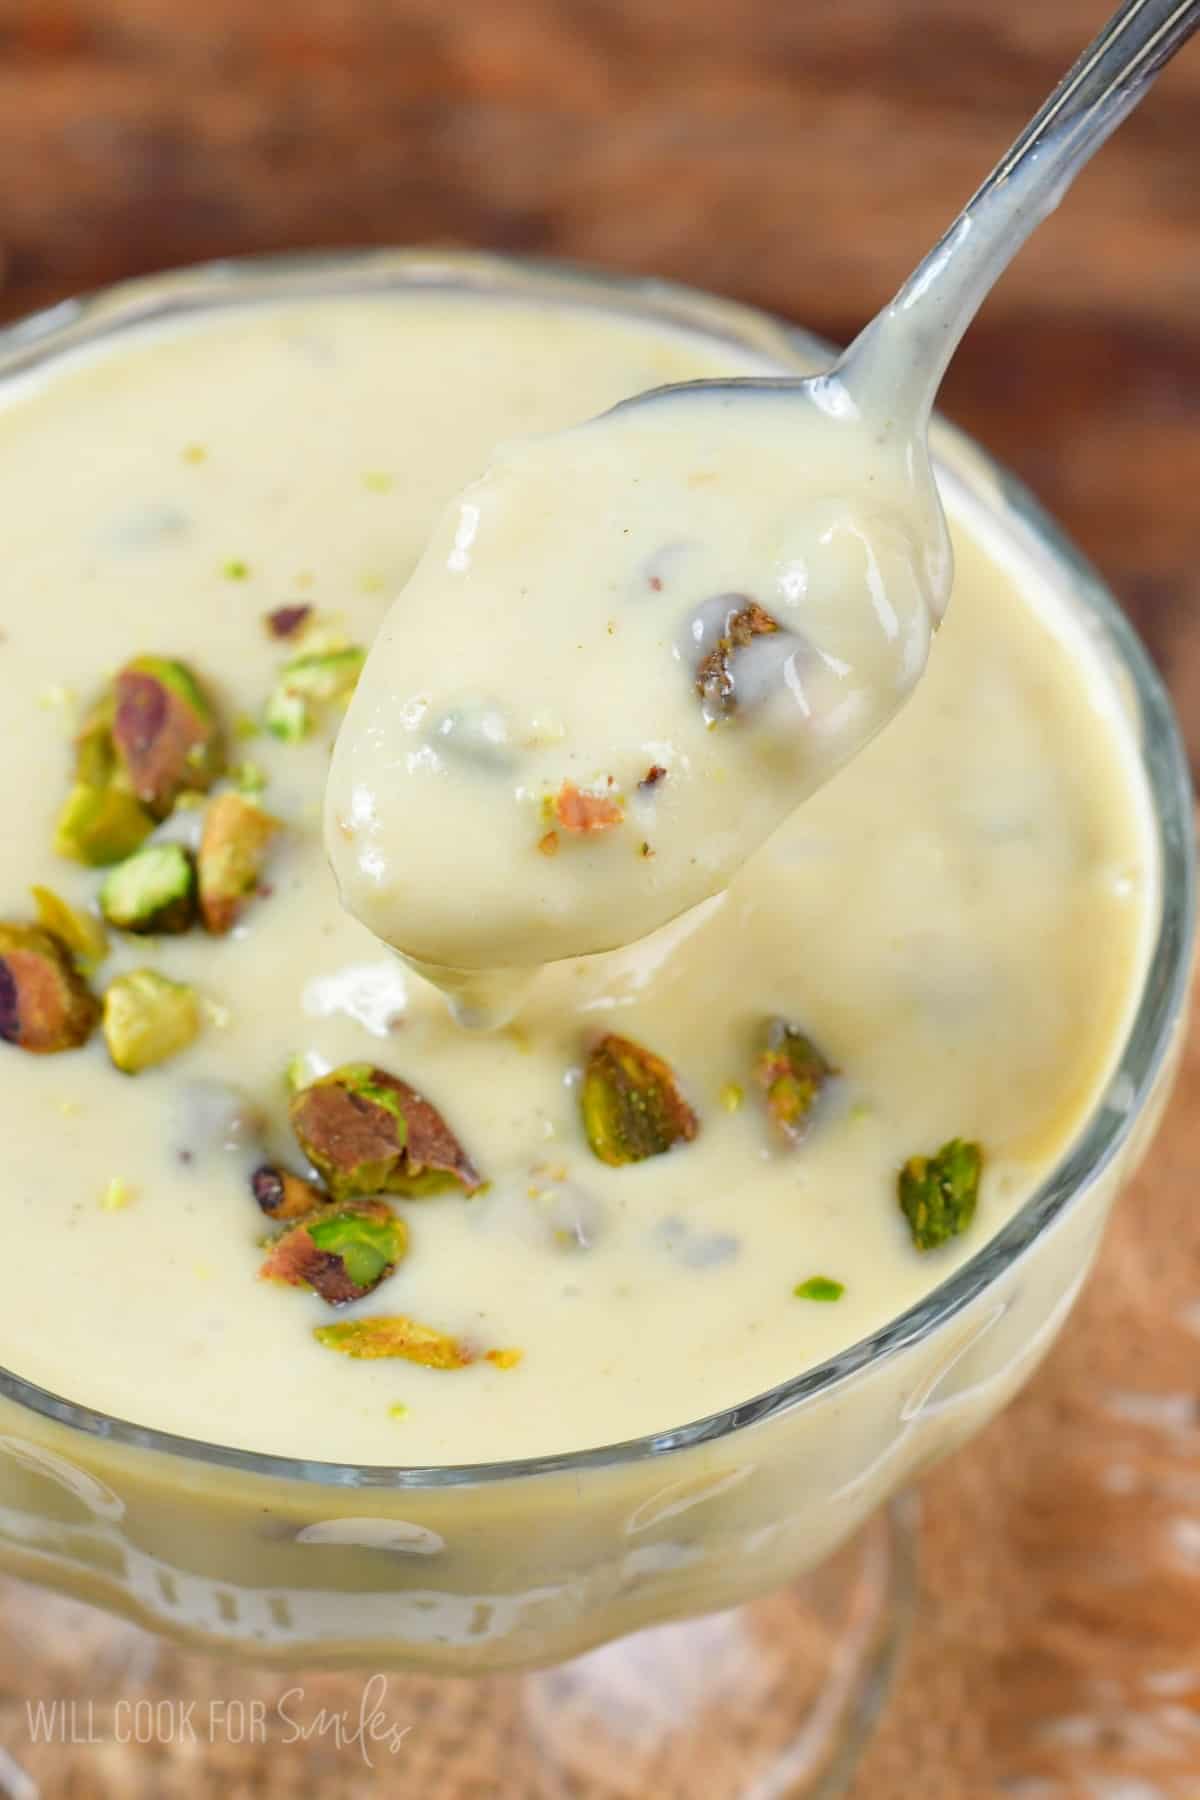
792 1072
716 682
283 1196
152 736
164 731
341 1253
234 842
46 1005
367 1132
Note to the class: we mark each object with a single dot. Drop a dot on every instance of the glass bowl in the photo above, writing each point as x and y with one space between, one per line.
504 1566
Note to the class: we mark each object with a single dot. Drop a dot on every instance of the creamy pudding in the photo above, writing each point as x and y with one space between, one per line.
629 651
688 1169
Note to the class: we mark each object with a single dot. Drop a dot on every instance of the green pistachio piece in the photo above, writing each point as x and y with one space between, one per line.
150 738
791 1072
282 1195
938 1194
366 1132
819 1287
101 825
152 891
631 1104
341 1253
305 681
287 717
233 847
45 1004
164 731
369 1339
83 935
147 1019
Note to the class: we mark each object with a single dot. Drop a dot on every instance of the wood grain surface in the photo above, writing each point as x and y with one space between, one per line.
798 156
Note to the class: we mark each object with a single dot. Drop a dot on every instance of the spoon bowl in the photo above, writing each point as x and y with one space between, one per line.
633 647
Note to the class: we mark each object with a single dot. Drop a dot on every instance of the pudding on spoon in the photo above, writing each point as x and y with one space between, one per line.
632 648
626 654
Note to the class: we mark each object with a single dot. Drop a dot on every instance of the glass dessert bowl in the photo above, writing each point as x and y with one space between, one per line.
510 1566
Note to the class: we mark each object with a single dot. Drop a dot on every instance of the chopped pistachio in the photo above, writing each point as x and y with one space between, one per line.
819 1287
164 732
371 1339
83 935
147 740
715 682
791 1072
148 1018
286 621
938 1194
733 1096
317 677
342 1253
45 1004
101 825
235 568
117 1196
298 1073
232 849
583 813
631 1104
246 726
251 778
152 891
366 1132
398 1410
282 1195
287 716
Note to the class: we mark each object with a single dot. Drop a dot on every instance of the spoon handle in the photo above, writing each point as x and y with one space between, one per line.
907 347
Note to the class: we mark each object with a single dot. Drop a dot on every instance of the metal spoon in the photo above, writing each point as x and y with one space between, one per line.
892 371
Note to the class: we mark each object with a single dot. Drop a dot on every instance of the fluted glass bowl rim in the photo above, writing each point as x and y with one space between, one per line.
78 323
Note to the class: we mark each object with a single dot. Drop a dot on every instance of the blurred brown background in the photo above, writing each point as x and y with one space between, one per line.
797 156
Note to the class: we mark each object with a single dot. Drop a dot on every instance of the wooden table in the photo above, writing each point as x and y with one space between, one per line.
798 157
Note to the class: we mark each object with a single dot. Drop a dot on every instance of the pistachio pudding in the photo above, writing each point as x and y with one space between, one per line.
271 1196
